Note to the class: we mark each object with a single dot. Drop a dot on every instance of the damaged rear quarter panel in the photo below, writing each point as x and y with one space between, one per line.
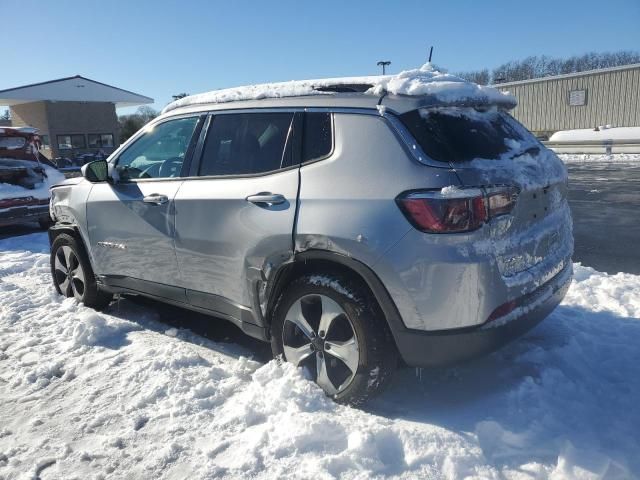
347 201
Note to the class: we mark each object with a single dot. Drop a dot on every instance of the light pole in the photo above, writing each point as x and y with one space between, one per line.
383 64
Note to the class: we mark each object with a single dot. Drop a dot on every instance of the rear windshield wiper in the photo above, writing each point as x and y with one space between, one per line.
531 151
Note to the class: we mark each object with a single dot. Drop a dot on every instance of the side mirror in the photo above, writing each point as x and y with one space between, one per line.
97 171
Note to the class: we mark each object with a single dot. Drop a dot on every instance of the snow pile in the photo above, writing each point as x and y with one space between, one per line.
111 395
525 163
620 134
422 81
444 86
41 191
589 158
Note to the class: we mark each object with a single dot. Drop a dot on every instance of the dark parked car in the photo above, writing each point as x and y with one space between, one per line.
25 177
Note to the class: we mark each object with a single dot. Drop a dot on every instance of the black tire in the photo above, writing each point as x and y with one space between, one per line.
377 352
90 294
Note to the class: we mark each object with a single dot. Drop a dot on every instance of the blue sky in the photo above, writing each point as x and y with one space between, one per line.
162 47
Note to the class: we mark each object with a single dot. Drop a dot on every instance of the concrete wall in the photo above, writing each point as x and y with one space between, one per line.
612 97
32 115
66 118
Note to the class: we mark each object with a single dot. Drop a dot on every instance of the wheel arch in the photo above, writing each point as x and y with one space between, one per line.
326 261
70 229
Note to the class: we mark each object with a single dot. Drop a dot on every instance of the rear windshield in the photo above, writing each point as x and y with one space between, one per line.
455 134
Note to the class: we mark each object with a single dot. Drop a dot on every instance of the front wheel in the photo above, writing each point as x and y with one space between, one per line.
332 327
72 273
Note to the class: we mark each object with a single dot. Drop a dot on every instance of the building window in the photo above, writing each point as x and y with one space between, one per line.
577 98
67 142
44 140
99 140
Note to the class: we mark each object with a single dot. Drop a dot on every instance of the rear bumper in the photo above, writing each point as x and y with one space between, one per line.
9 216
420 348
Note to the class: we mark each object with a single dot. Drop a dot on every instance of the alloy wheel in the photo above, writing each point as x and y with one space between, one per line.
318 335
68 273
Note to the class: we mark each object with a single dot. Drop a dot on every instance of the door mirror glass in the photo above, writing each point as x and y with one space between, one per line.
96 171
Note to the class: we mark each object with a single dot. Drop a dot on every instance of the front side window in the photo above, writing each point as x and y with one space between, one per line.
247 143
159 152
67 142
100 140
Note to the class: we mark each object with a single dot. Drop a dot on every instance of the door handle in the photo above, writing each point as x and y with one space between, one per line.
268 198
156 199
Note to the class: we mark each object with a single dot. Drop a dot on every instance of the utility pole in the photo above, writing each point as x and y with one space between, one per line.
383 64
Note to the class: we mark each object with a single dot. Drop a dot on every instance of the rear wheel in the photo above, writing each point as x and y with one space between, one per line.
72 273
331 327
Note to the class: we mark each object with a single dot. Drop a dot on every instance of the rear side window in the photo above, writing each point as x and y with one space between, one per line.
247 143
455 134
317 141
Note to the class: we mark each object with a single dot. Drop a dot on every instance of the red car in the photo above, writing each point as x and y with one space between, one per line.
25 177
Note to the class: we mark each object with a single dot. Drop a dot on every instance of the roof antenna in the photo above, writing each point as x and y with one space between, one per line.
430 53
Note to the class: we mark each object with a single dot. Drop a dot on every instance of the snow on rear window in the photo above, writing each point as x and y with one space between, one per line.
456 134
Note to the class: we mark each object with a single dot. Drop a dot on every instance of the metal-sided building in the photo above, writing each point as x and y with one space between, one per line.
610 96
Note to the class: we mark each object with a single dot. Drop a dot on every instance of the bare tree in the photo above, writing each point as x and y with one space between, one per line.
477 76
130 124
544 66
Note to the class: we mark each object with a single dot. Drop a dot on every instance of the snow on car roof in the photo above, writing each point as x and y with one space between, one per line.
422 81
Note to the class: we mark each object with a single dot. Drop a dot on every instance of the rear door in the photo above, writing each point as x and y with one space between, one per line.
235 216
132 222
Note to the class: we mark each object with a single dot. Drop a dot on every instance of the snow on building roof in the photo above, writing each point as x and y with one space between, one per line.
418 82
70 89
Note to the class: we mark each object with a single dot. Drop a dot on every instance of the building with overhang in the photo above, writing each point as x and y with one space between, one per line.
74 115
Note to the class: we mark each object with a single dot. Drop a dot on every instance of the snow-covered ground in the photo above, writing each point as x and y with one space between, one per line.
120 395
599 158
41 190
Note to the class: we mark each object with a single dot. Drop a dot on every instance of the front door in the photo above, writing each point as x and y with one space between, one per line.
132 221
237 215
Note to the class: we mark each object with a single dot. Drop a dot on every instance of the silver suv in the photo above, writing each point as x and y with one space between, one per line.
353 230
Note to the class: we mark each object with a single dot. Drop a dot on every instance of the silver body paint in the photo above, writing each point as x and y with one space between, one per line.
211 250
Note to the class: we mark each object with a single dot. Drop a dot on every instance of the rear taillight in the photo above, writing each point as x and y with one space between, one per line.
455 210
